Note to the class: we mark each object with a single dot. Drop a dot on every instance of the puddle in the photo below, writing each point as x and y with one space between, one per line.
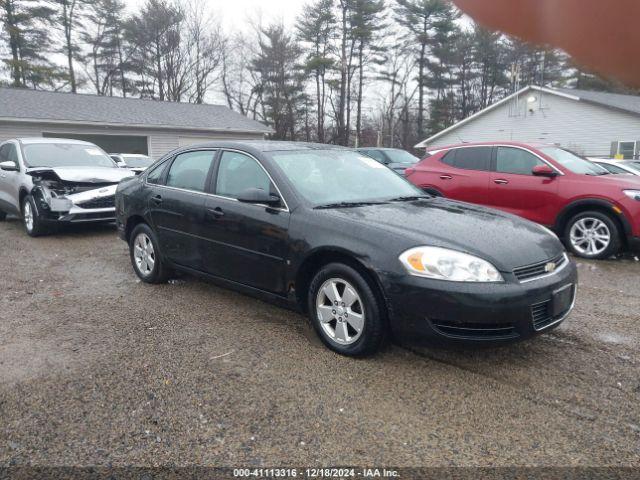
613 339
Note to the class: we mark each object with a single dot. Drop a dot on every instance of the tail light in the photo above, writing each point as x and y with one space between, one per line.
409 171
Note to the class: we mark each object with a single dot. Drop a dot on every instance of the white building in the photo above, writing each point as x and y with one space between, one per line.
120 125
590 123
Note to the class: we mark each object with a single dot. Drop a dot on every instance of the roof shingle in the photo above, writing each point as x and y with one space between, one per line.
23 104
628 103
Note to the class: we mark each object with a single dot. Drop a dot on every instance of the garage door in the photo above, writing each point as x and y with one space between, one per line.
109 143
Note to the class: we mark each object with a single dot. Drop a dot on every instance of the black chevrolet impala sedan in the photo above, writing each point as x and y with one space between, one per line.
341 237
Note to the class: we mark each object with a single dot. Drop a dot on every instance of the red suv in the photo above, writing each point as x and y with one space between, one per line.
597 214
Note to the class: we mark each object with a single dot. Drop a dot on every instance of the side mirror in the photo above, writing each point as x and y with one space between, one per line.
259 196
8 166
544 171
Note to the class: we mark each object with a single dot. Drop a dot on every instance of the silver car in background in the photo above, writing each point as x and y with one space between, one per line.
136 162
52 181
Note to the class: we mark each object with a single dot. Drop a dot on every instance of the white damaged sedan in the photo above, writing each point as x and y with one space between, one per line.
49 181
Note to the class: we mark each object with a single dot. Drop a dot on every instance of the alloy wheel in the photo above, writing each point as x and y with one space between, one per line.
590 236
340 311
28 215
144 254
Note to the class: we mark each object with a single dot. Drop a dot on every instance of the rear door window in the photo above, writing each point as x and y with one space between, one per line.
473 158
516 161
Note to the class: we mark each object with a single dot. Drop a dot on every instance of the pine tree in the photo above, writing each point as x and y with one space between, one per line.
316 29
419 19
367 23
281 80
26 23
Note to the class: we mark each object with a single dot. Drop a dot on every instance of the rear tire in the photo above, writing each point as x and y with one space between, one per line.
31 219
3 216
593 235
145 255
345 311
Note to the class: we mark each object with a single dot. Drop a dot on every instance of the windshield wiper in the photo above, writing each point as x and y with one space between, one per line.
410 198
349 204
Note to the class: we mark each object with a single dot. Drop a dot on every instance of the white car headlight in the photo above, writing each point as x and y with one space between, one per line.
634 194
444 264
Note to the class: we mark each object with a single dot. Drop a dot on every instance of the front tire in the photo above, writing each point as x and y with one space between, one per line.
345 311
31 218
3 216
145 255
593 235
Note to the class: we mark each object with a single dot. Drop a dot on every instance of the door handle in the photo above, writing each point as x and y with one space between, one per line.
215 212
500 181
157 199
446 177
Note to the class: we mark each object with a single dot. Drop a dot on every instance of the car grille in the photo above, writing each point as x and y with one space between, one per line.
103 202
531 272
476 331
542 317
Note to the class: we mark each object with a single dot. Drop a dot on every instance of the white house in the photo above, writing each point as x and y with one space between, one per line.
120 125
591 123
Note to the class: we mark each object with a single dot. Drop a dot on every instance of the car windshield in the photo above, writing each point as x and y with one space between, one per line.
326 177
573 162
634 165
65 155
400 156
137 161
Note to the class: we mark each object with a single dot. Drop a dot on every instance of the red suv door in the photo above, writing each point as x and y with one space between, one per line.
460 174
514 188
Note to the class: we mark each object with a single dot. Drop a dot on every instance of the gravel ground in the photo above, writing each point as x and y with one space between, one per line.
97 368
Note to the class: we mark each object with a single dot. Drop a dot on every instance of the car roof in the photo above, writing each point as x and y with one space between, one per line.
603 160
379 148
130 154
49 140
264 146
491 144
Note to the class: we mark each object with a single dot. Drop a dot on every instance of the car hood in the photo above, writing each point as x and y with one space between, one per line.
81 174
505 240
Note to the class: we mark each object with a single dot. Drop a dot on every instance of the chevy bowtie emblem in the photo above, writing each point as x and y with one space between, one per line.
550 267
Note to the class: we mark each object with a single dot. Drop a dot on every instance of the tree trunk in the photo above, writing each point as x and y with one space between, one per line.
359 99
159 70
420 121
14 42
343 78
67 12
121 67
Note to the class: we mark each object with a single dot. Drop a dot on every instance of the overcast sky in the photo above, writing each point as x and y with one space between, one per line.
234 14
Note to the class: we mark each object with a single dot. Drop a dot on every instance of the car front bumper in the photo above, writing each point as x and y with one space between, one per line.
89 206
81 215
633 243
440 312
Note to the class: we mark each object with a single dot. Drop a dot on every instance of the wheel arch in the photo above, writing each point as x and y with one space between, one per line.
23 192
324 256
593 204
132 222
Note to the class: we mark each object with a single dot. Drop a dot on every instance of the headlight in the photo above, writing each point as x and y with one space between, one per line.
445 264
635 194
